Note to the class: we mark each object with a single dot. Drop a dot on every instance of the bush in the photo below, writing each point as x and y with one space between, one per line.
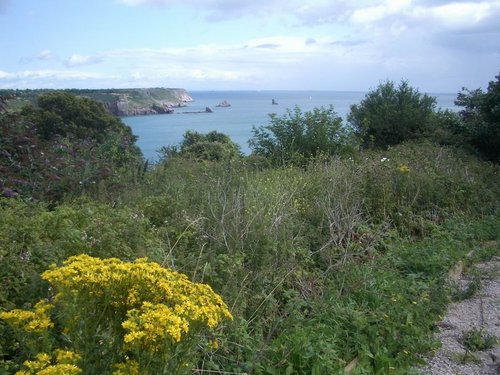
51 152
296 137
481 116
213 146
111 315
412 183
390 115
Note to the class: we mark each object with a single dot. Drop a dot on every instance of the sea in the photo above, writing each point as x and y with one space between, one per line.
248 109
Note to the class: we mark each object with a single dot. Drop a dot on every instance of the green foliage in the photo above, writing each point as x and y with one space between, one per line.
68 146
296 137
390 115
32 237
414 185
481 116
277 242
460 294
213 146
475 340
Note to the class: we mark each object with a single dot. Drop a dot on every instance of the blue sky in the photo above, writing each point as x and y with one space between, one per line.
439 46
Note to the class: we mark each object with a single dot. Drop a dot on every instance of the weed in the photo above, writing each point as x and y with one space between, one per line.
478 340
459 294
465 358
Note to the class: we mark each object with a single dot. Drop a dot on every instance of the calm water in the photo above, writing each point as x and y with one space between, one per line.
248 109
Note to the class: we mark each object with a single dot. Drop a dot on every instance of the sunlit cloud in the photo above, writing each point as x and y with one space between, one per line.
464 15
379 12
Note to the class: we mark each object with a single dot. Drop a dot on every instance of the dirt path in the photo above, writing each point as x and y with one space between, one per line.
479 314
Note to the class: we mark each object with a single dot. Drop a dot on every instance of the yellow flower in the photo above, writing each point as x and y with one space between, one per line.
66 357
156 306
30 321
128 368
41 361
61 369
214 344
403 168
42 364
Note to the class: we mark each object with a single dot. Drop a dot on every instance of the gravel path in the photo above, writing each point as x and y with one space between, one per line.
481 312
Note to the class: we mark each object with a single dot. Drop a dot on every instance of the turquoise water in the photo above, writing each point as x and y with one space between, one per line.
248 109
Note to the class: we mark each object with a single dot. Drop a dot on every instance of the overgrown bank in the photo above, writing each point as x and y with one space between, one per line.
330 262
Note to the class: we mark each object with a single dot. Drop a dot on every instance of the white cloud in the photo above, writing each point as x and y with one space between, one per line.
381 11
463 15
78 60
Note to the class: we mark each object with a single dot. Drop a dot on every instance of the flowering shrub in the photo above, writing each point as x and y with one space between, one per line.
132 317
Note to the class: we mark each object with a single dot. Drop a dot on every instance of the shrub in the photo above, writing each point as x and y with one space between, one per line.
481 115
297 137
390 115
68 146
213 146
113 315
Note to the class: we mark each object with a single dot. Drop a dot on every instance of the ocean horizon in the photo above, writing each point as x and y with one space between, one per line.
248 109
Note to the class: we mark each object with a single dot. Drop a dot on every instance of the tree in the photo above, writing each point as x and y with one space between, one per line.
481 116
297 137
62 114
64 146
212 146
390 115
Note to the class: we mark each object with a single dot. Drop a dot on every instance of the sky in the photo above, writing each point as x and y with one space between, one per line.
344 45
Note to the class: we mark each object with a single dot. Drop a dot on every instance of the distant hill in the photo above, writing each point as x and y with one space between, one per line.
120 102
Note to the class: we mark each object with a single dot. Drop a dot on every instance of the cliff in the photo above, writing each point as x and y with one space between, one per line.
120 102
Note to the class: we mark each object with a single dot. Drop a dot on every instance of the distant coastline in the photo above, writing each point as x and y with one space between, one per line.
120 102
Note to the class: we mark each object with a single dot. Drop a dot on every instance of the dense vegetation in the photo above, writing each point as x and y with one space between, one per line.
330 245
64 146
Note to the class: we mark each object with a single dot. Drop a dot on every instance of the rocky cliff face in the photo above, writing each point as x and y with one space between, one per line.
135 102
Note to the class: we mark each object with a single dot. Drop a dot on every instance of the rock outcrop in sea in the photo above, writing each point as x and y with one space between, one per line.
207 110
224 103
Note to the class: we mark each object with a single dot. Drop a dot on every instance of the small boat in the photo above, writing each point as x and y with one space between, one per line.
274 102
